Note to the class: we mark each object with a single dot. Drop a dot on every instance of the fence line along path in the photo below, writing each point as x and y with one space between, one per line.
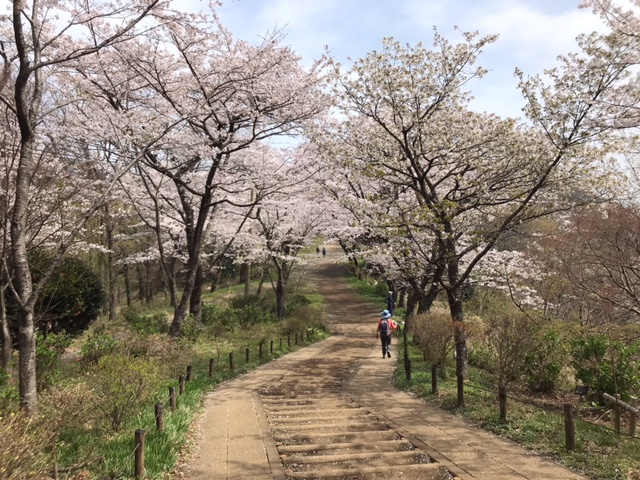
328 411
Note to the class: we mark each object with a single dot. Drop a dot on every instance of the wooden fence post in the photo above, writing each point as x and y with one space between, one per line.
434 380
139 454
246 355
271 347
569 427
212 364
289 341
502 396
280 343
616 414
260 350
159 417
633 417
181 384
172 397
189 369
231 360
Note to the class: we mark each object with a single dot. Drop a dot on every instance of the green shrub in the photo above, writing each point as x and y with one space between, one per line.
190 330
543 365
154 323
305 319
606 366
479 356
123 384
48 352
70 300
296 301
9 397
218 318
96 346
252 309
146 323
381 289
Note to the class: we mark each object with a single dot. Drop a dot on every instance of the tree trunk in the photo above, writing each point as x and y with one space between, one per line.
412 303
111 281
247 280
215 280
141 281
460 335
195 303
22 279
5 334
280 296
265 274
148 271
127 284
402 297
426 299
180 312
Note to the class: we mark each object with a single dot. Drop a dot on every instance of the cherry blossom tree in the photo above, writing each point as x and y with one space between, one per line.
225 95
40 39
473 177
289 212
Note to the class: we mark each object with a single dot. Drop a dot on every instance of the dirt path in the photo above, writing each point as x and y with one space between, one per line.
329 411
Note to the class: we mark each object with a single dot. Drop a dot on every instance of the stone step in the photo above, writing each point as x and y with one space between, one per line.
330 448
303 409
427 471
345 427
322 421
336 437
352 460
320 414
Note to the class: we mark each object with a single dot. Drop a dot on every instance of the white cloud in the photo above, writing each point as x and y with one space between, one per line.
532 32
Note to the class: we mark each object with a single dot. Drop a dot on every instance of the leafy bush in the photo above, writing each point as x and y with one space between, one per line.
9 397
381 289
71 299
252 309
154 323
305 319
606 366
122 384
190 330
96 346
48 352
145 323
544 364
296 301
218 318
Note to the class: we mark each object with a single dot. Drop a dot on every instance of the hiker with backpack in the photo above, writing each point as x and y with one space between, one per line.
386 326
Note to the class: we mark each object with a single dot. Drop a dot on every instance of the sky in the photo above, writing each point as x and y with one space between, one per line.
532 33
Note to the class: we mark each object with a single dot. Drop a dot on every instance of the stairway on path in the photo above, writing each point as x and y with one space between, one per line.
321 434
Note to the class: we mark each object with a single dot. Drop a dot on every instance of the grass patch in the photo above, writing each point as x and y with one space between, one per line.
600 452
90 449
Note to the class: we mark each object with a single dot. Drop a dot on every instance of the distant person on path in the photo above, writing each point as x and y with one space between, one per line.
391 303
324 252
318 250
386 326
